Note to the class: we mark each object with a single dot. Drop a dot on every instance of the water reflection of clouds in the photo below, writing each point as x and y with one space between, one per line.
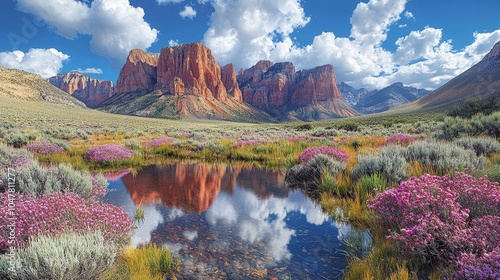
190 234
257 220
152 218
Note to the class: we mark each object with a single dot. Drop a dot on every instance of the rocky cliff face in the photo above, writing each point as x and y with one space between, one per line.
181 82
230 82
279 88
139 72
190 69
90 91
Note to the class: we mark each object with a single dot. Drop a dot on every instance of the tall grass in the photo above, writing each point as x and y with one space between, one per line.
150 262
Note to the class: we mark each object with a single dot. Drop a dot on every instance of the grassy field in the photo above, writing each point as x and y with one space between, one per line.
378 152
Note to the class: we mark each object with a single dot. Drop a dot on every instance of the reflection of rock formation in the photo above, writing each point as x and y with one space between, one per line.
190 187
263 182
193 187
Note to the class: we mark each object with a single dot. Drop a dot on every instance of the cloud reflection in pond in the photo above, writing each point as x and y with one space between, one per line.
241 223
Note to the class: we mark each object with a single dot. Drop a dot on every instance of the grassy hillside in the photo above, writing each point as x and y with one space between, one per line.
27 86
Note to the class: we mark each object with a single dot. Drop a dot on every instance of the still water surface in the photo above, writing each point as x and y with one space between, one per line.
231 223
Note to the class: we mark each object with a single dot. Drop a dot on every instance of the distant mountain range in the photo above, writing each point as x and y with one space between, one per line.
375 101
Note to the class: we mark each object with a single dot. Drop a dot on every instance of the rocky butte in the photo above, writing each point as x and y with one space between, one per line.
279 89
139 72
90 91
182 81
187 69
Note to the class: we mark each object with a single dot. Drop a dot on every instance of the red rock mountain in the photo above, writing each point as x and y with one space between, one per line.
90 91
186 69
279 88
138 73
184 81
230 82
481 80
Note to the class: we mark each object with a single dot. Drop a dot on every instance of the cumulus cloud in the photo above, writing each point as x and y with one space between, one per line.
89 70
115 27
188 12
370 21
44 62
244 32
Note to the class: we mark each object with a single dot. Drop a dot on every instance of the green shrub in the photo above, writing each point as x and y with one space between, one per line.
306 126
7 124
479 124
133 144
321 132
445 156
309 176
189 144
390 162
35 180
9 156
17 139
482 146
68 256
349 126
327 164
470 107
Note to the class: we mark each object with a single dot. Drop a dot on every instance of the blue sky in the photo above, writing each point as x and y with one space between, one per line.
371 43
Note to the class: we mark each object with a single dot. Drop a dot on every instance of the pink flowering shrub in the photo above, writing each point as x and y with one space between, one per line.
470 266
400 139
107 153
58 213
339 154
44 148
159 141
454 220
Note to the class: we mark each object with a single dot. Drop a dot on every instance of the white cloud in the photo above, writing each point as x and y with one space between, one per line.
244 32
115 26
370 21
250 218
409 15
173 43
190 234
152 219
44 62
89 71
188 12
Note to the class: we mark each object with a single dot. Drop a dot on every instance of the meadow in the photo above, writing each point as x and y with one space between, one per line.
425 186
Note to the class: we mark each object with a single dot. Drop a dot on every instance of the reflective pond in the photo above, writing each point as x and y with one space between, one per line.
232 223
